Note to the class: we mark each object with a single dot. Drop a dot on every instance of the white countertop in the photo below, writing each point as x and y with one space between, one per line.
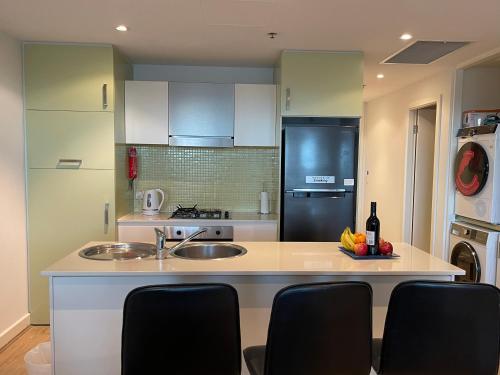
264 258
164 218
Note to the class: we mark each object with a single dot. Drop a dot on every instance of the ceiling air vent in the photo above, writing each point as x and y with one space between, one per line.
424 52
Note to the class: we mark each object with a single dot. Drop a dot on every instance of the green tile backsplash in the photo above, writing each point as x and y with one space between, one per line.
226 178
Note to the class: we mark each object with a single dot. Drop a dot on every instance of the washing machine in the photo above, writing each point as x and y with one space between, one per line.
475 250
477 173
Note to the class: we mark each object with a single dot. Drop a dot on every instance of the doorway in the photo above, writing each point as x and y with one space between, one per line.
423 140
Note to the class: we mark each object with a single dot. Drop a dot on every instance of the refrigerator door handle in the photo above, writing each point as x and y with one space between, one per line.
317 191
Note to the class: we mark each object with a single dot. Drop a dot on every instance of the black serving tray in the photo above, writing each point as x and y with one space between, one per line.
366 257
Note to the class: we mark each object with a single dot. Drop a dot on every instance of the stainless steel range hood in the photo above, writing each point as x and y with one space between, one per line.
201 114
200 141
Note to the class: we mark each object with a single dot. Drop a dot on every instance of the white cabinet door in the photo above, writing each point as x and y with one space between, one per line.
146 112
255 231
138 233
255 115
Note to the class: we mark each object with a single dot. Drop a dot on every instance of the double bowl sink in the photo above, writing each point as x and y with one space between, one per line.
136 250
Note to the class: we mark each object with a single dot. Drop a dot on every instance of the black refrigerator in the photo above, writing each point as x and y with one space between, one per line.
320 159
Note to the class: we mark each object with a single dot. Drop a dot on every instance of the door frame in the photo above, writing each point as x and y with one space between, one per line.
408 188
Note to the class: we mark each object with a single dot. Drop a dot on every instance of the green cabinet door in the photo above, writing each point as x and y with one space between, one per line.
328 84
62 139
66 209
68 77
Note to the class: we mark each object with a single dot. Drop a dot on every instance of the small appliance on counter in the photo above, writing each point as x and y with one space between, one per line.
152 203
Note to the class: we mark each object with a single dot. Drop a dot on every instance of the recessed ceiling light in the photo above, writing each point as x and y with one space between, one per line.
121 28
406 36
380 76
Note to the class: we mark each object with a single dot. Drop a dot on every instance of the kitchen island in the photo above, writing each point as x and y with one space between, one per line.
87 296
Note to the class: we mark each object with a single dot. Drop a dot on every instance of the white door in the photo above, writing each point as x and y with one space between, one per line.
423 178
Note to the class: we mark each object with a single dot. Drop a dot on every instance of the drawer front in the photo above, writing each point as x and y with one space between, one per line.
60 139
256 232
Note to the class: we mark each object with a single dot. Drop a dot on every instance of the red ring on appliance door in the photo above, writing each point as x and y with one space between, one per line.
471 169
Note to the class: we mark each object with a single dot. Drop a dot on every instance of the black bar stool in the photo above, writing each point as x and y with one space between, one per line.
187 329
317 329
440 328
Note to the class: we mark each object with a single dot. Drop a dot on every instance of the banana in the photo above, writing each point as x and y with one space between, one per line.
347 240
351 235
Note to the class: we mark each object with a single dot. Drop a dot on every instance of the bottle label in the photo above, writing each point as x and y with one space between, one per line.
370 238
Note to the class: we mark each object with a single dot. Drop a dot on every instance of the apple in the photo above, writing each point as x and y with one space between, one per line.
386 248
361 249
381 242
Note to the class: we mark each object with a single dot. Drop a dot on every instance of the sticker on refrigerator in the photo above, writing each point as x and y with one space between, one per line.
348 181
320 179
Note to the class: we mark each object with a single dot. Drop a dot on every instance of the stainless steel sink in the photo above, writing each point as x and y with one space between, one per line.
208 251
119 251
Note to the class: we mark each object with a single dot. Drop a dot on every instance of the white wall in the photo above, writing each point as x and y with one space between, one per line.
385 137
13 258
213 74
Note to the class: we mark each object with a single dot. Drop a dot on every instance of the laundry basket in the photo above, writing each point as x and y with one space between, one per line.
38 360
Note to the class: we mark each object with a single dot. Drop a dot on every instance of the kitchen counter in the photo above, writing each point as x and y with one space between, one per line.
87 296
164 218
264 258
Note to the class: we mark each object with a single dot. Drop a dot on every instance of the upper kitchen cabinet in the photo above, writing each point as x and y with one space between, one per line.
201 114
255 115
64 139
324 84
69 77
146 112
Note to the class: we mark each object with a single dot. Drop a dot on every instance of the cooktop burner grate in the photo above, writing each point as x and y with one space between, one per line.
195 213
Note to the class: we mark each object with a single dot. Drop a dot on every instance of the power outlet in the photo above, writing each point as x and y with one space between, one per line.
139 195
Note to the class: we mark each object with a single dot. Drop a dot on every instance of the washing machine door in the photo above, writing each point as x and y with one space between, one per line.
471 169
465 257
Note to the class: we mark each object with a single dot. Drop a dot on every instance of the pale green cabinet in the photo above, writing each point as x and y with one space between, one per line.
68 77
324 84
74 97
67 209
64 139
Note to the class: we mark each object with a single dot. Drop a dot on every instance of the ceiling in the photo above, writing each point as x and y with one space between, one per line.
234 32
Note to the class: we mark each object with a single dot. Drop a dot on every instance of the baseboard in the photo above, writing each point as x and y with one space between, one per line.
14 330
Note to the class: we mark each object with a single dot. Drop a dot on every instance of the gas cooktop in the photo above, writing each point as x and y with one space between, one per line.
195 213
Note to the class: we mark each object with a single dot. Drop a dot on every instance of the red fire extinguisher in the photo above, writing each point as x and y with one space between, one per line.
132 165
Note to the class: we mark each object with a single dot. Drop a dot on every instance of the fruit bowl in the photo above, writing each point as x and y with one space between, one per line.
354 245
367 257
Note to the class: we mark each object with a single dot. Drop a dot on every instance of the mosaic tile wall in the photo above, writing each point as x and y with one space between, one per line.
226 178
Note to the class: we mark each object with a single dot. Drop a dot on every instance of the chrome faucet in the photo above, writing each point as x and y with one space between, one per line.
160 243
161 238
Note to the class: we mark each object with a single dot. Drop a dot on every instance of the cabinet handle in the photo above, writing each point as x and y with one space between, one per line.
106 216
69 163
287 98
105 96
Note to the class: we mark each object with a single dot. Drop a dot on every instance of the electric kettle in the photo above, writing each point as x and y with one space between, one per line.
151 203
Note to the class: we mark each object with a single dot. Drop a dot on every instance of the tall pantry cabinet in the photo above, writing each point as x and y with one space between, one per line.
74 102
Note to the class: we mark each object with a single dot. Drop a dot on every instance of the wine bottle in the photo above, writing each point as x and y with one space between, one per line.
373 230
